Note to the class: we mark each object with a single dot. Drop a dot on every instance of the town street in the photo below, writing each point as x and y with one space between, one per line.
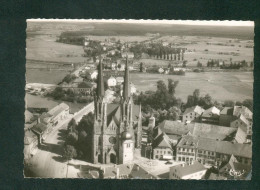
48 161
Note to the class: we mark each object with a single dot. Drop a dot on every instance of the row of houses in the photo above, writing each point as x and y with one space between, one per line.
207 143
38 127
239 117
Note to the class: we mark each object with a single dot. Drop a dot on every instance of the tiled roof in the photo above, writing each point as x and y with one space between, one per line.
227 111
39 128
212 131
211 112
242 110
162 141
197 109
216 177
196 129
224 147
175 127
185 169
241 134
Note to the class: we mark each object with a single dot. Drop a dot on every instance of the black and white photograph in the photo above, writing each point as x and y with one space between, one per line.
139 99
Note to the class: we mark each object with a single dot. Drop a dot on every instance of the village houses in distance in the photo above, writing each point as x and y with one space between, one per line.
118 135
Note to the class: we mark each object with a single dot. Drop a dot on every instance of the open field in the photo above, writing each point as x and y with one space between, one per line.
44 48
205 48
222 86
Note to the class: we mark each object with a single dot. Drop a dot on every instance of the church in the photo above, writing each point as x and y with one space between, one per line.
117 128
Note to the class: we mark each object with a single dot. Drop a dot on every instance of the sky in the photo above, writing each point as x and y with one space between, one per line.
183 22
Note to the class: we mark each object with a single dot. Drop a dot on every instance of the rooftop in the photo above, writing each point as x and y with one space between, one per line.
185 169
211 112
58 109
197 109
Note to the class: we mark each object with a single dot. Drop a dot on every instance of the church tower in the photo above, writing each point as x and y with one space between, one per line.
127 138
100 122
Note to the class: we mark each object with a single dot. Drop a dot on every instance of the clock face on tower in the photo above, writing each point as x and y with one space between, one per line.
112 140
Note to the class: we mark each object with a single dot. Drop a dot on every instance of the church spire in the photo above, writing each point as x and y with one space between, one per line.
126 81
100 81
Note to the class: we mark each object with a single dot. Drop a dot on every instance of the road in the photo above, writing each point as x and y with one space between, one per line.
48 161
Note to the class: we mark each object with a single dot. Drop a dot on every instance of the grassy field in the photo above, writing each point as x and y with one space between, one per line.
204 48
221 86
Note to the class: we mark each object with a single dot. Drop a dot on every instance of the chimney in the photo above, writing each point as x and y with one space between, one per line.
182 165
38 120
117 173
137 168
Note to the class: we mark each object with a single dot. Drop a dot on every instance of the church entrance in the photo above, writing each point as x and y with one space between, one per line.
113 158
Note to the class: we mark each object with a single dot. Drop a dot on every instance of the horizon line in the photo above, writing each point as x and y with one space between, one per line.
131 21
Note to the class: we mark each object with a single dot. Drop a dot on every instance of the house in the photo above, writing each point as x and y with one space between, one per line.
191 114
160 70
229 114
194 170
93 74
243 124
195 129
111 81
241 135
132 88
210 151
41 130
30 144
186 149
211 115
59 113
162 147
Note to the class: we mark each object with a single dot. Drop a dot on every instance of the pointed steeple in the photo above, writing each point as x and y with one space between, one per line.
100 81
126 92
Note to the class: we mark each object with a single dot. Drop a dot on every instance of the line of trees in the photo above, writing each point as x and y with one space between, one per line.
79 138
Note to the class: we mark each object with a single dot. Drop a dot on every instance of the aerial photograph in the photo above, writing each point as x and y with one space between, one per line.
139 99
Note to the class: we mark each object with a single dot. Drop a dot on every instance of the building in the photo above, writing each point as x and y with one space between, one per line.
186 149
191 114
117 128
30 120
242 123
241 135
211 115
194 170
195 129
211 152
41 130
162 147
229 114
111 81
58 113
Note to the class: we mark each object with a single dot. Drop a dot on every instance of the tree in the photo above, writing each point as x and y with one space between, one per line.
174 113
172 85
84 85
199 64
69 152
72 125
196 96
229 103
71 139
58 93
206 101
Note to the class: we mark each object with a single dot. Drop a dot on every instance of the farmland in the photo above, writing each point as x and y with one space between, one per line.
202 44
235 86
